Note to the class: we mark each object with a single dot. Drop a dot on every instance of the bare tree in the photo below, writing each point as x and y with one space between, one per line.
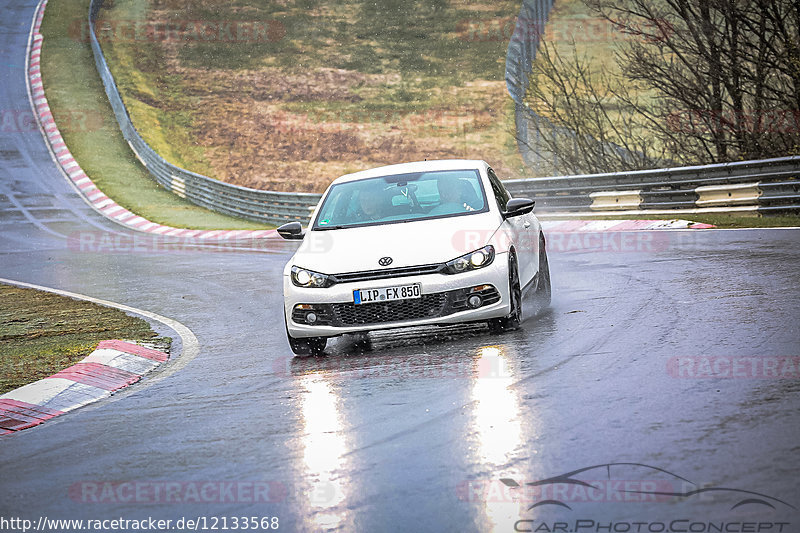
582 117
702 81
727 73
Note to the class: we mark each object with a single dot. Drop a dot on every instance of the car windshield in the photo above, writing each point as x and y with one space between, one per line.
402 198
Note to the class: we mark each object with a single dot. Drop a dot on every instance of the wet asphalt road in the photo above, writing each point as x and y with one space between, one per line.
413 431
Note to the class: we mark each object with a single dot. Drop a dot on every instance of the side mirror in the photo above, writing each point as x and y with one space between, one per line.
292 231
518 206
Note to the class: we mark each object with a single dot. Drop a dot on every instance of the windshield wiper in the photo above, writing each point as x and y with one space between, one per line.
326 228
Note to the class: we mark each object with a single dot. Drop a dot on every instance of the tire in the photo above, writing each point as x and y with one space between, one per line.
543 289
513 319
306 346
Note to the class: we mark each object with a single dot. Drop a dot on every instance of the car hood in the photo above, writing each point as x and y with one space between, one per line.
410 243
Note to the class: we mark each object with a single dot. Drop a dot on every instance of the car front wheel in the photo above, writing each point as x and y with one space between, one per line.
308 345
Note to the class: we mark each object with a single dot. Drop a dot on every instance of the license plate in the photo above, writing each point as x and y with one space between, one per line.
387 294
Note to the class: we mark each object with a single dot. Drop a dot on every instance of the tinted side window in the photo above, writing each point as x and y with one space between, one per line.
500 191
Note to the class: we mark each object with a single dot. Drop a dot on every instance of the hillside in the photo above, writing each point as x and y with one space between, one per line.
289 95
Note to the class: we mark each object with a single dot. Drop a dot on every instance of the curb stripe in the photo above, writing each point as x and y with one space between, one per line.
16 415
98 375
133 349
122 361
115 364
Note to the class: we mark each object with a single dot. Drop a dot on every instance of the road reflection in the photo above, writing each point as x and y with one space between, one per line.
497 427
324 446
498 432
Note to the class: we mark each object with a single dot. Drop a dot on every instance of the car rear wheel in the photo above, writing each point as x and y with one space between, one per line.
513 319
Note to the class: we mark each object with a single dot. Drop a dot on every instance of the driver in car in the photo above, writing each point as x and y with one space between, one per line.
451 199
370 202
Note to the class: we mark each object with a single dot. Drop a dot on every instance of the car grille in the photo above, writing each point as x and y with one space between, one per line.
386 273
428 306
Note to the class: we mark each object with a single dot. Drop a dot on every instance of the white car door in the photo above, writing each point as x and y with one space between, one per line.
524 231
531 245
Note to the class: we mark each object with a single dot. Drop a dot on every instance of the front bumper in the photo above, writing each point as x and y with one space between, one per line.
443 302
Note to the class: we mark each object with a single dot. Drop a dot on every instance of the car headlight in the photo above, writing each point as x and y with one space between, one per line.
471 261
308 278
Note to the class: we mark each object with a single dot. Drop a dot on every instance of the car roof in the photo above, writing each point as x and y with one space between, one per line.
417 166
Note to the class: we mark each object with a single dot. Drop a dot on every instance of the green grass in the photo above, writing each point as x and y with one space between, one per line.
42 333
417 39
73 86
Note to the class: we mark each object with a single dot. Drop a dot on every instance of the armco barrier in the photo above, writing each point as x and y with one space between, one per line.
765 186
262 206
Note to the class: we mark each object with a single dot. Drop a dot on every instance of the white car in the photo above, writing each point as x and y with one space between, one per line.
426 243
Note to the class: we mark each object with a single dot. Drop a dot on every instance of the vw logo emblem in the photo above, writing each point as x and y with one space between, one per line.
385 261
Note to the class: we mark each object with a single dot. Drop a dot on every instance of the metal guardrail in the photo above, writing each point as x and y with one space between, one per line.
262 206
768 186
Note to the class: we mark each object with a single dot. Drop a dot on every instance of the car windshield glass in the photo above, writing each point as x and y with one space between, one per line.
402 198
